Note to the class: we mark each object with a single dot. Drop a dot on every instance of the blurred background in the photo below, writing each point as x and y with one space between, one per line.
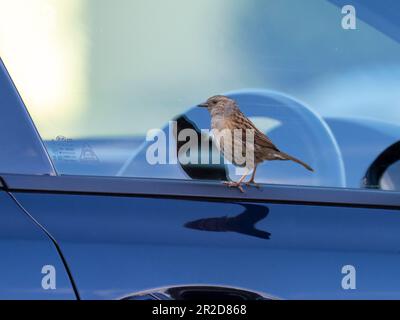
89 68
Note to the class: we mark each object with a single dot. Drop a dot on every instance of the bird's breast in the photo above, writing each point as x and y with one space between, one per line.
219 123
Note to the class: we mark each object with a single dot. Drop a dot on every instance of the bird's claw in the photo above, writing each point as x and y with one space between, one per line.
232 184
253 183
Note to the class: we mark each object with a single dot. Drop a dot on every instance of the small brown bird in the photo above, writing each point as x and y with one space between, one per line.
227 121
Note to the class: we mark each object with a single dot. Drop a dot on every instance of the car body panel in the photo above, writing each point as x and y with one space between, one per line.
120 245
25 249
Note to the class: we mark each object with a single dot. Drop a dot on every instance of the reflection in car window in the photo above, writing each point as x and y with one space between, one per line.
97 77
391 178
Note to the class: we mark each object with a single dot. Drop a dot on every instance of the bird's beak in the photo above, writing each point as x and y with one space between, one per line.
203 105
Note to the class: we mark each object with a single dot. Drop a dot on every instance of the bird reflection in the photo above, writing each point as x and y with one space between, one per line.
244 223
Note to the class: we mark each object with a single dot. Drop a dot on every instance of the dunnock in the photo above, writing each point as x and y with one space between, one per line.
226 121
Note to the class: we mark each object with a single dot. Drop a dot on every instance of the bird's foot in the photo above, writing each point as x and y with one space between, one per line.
252 183
232 184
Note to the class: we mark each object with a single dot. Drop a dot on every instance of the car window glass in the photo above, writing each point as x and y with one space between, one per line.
98 77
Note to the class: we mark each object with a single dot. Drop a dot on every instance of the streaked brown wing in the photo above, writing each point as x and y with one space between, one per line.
243 123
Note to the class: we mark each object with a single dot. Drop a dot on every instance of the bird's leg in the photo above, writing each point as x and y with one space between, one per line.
232 184
251 181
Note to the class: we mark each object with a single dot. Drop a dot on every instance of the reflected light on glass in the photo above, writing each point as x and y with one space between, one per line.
45 55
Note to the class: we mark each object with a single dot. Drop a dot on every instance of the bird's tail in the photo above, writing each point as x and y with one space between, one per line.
287 157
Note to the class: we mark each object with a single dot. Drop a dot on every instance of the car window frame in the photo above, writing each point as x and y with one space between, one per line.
20 141
202 190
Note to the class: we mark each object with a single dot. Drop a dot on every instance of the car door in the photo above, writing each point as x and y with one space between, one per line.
122 237
31 265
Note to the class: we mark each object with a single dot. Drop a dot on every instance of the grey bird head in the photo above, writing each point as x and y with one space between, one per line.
219 105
